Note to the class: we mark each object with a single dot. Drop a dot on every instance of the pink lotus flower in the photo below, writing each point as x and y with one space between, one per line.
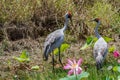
116 54
74 66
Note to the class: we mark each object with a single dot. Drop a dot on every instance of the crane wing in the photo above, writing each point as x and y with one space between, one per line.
52 41
52 37
101 47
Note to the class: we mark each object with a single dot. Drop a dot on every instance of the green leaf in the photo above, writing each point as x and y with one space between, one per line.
112 78
24 54
84 47
79 76
69 78
89 41
116 68
62 48
119 77
109 78
55 51
24 57
107 39
111 49
95 39
83 75
35 67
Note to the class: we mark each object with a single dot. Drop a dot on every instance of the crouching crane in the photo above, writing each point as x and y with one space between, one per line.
55 39
100 47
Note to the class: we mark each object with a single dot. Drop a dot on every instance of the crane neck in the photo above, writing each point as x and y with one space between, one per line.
96 30
65 24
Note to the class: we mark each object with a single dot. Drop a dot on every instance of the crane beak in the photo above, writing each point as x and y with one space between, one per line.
91 20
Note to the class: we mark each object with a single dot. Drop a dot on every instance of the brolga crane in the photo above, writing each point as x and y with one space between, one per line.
100 47
55 39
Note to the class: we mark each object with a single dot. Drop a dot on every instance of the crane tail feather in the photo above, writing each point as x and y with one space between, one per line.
99 65
46 52
99 61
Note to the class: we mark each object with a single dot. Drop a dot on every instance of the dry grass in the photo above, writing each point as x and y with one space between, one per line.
47 16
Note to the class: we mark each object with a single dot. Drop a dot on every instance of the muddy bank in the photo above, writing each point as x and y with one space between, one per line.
13 32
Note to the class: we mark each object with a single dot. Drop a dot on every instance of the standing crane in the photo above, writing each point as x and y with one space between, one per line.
55 39
100 47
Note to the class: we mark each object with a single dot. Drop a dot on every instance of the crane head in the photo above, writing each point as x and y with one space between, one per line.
68 15
96 20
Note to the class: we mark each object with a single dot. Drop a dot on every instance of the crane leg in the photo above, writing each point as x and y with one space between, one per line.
53 61
60 57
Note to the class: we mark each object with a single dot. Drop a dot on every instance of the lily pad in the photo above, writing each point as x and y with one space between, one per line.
119 77
109 78
79 76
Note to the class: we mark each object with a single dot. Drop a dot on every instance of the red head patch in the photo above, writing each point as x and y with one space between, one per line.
96 19
69 14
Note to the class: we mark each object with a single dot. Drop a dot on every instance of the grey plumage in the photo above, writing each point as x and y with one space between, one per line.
55 39
100 52
100 47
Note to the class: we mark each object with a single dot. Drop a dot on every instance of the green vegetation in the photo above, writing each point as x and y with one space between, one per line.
62 48
104 74
24 57
25 23
35 67
91 40
76 77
